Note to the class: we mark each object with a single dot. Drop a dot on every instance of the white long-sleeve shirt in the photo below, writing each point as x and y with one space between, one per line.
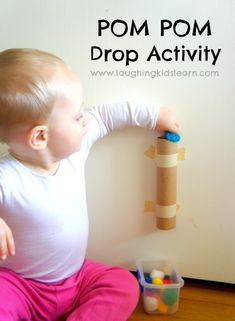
48 214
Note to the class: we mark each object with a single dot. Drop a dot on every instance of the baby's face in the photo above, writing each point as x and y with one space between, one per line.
67 123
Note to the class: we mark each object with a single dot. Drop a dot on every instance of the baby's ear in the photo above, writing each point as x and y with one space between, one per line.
38 137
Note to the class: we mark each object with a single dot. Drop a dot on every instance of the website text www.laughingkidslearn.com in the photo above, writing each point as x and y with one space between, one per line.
155 73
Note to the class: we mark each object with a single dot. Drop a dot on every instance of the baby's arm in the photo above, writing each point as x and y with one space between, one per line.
7 244
106 118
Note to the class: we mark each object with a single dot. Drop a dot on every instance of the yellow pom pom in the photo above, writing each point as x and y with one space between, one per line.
157 281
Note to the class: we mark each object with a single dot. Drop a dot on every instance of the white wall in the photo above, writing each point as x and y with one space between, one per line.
119 177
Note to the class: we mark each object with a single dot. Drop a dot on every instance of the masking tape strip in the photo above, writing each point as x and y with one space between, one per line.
166 211
150 152
149 206
167 160
181 153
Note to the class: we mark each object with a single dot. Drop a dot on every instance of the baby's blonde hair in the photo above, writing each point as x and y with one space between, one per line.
28 87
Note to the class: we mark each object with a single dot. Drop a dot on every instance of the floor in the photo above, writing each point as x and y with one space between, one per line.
199 301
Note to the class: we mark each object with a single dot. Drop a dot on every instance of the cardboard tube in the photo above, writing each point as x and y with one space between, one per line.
166 183
166 223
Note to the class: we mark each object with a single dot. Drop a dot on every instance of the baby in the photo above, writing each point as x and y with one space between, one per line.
44 274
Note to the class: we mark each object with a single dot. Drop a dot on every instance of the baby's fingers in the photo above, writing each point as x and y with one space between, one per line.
3 243
7 244
175 127
10 242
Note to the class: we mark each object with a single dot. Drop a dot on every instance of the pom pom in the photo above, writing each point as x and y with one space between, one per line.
157 281
170 296
157 274
150 304
148 279
173 137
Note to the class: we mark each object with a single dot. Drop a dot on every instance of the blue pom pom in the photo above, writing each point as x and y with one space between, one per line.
173 137
148 279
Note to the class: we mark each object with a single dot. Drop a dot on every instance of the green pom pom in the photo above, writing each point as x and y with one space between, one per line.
170 296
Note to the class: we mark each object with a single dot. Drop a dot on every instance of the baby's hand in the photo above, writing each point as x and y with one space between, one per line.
166 121
7 244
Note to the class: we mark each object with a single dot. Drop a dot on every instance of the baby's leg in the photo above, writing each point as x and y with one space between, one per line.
106 294
21 300
13 305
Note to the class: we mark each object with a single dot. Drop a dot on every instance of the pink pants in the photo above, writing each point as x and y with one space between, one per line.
96 293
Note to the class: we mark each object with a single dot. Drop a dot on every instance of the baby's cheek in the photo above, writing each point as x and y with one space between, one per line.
85 119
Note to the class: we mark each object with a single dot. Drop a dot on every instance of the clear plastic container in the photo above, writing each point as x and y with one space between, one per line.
159 298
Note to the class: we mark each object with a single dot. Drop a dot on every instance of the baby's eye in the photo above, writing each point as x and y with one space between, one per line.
80 116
